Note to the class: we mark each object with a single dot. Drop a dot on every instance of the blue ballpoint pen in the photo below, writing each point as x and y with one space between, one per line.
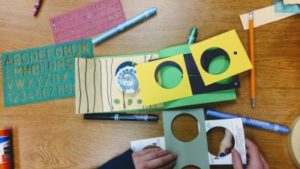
250 122
123 26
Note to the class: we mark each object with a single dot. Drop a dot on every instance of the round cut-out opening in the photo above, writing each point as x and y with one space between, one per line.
216 61
220 141
191 167
185 127
168 75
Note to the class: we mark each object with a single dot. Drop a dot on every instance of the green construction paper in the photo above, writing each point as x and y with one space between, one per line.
193 152
42 73
170 77
171 74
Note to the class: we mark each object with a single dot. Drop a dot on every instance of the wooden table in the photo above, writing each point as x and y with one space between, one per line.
50 135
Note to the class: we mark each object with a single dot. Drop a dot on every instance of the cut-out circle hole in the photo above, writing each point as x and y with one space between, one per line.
216 61
168 75
126 80
185 127
191 167
215 136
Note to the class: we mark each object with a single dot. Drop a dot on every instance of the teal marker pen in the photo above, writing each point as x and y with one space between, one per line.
123 26
193 36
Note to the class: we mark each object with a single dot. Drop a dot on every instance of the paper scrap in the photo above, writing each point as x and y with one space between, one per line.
263 16
42 73
280 7
286 2
87 21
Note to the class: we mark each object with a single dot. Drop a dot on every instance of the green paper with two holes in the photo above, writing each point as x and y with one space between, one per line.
42 73
193 152
204 98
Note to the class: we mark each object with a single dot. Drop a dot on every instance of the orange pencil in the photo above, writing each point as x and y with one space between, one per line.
251 51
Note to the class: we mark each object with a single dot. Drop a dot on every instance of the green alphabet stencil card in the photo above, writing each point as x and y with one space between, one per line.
42 73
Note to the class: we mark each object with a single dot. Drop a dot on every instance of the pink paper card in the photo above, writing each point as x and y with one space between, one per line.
87 21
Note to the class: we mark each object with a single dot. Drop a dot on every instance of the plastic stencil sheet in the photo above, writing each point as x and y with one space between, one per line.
87 21
42 73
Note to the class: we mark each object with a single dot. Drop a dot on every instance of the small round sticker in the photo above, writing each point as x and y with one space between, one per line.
126 79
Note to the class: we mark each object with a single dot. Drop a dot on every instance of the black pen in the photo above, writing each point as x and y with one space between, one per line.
121 116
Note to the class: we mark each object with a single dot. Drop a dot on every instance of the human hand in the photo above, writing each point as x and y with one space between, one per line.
256 160
154 158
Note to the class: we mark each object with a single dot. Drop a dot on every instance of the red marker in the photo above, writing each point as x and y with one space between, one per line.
37 6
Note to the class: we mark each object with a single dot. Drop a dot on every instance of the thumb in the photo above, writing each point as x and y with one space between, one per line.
236 159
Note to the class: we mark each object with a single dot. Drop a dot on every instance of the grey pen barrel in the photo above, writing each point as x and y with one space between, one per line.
123 26
121 116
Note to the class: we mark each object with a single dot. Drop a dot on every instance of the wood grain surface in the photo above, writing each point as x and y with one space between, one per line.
49 135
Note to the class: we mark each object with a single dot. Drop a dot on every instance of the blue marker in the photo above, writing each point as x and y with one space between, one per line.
123 26
250 122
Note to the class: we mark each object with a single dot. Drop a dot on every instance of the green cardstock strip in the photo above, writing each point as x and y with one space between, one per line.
42 73
188 153
168 81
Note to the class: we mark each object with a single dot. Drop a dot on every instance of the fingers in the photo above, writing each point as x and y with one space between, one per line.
162 161
155 154
146 151
169 166
256 160
254 154
265 164
236 159
154 158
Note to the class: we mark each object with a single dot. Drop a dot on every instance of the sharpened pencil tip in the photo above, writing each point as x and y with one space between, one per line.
251 14
253 103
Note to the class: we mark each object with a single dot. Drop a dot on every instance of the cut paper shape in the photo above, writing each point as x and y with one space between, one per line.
194 69
263 16
97 84
287 2
87 21
280 7
146 75
189 153
227 43
235 126
209 97
43 73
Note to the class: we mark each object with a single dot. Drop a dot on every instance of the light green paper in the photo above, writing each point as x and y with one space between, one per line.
188 153
218 96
